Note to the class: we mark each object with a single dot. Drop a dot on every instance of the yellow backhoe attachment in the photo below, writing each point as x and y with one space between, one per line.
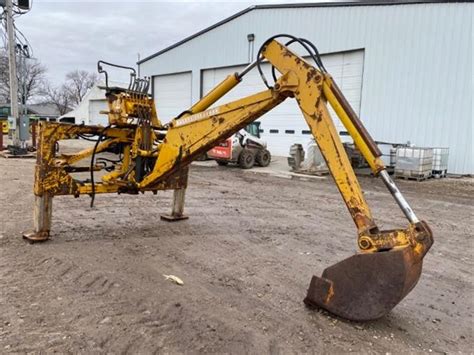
155 156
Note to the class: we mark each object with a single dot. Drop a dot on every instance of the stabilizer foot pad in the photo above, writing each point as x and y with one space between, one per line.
171 218
36 237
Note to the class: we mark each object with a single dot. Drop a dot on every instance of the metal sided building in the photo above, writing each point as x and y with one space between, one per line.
405 67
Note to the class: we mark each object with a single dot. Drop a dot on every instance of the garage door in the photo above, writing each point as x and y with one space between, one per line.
95 117
285 125
172 94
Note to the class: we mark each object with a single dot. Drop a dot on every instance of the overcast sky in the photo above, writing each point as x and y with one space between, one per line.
69 35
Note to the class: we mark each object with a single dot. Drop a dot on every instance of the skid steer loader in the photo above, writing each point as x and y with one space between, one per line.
244 148
155 156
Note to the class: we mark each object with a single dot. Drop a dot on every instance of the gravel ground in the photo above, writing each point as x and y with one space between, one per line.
246 256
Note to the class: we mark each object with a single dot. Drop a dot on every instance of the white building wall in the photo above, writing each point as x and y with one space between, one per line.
174 92
88 110
285 125
417 82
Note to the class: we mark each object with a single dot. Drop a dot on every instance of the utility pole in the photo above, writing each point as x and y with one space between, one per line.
24 54
13 77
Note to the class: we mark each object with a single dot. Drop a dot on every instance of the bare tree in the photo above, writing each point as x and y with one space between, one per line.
78 83
33 75
57 96
34 78
71 93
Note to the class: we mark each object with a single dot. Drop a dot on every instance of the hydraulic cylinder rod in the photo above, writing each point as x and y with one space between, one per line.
397 195
247 69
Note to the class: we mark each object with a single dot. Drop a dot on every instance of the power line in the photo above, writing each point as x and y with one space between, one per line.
15 39
24 37
17 11
19 35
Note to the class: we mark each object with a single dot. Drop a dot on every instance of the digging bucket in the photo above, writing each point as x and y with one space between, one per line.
367 286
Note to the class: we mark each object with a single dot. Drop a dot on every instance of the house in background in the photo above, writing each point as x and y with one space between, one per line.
43 112
88 110
36 112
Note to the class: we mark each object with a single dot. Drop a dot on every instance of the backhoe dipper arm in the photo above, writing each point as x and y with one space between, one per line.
364 286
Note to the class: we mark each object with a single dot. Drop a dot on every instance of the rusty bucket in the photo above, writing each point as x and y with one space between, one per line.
366 286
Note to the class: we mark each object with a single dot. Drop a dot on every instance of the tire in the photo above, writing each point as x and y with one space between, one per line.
222 162
202 157
263 158
246 159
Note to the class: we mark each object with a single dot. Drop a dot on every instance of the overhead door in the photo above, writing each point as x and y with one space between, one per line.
172 94
285 125
95 117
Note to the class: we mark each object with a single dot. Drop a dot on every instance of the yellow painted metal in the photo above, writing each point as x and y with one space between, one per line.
124 107
51 176
4 126
78 156
155 157
192 135
308 93
98 189
147 153
170 152
173 146
375 162
325 133
114 176
215 94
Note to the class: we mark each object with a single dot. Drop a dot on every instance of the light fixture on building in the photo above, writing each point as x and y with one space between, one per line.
250 39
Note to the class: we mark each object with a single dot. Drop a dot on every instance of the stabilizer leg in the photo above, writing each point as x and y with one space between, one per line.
177 212
43 211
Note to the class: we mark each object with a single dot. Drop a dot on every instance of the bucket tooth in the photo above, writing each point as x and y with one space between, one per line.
366 286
